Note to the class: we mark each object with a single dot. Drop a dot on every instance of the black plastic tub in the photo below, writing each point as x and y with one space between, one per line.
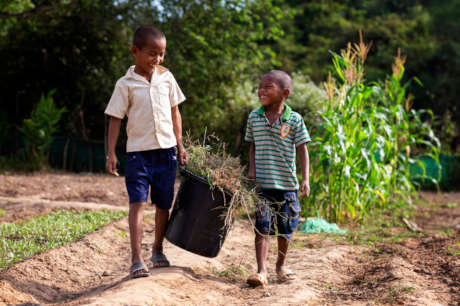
197 222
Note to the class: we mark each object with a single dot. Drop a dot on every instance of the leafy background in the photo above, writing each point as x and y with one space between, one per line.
217 51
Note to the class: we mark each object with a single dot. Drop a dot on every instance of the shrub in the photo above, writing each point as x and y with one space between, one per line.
307 98
39 128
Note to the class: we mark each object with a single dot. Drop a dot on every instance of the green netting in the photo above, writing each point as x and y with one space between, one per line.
80 156
447 172
77 155
318 225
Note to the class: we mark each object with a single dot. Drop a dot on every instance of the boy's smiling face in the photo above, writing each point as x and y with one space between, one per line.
270 91
150 55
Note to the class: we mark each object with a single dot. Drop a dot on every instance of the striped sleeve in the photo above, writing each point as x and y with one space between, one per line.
301 135
249 130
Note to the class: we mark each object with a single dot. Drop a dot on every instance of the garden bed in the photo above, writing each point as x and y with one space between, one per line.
420 269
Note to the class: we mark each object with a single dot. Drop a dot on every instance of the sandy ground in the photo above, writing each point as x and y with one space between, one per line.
93 270
96 188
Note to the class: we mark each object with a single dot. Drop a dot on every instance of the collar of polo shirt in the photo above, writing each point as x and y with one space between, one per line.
286 113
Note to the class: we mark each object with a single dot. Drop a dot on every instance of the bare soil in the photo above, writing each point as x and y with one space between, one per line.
424 270
96 188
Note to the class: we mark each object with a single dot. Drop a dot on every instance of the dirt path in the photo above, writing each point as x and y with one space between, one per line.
94 271
423 270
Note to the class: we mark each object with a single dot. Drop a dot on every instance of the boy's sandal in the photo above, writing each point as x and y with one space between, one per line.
257 279
138 269
285 275
159 260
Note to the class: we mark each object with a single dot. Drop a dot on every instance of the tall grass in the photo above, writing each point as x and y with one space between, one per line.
362 148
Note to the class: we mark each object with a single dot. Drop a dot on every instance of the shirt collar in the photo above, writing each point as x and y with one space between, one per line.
133 75
284 117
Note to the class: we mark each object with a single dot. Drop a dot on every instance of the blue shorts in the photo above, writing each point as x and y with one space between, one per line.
278 212
155 169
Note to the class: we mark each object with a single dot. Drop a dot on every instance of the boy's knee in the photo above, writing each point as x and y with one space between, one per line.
136 206
261 236
162 210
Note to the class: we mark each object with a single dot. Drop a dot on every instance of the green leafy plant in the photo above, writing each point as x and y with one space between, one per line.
363 147
39 130
21 240
307 98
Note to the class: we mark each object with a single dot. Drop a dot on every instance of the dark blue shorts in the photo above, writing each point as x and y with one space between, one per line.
155 169
278 212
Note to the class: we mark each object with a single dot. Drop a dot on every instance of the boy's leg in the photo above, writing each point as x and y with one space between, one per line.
162 194
262 230
283 246
135 219
261 242
283 273
161 220
287 221
137 186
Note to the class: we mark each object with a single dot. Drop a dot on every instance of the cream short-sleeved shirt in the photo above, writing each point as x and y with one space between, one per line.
148 107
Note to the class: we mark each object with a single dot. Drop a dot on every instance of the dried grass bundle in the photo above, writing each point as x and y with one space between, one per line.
222 171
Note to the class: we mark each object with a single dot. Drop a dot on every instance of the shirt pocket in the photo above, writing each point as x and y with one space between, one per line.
163 91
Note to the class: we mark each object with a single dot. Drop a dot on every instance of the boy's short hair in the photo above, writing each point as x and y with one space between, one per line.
282 78
142 32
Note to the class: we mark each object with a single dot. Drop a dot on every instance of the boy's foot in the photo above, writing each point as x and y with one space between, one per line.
159 260
138 269
258 279
285 274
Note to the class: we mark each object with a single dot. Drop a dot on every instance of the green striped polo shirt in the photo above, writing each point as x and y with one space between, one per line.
275 147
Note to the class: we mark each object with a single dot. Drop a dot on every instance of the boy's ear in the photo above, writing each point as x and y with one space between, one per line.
134 50
286 92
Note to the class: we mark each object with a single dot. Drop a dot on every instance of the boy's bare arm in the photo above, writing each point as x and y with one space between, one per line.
177 125
252 162
114 130
304 159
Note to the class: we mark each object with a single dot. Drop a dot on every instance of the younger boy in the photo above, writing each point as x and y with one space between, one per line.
276 133
149 95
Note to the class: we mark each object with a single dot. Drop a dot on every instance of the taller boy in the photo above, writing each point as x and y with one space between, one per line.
149 95
276 133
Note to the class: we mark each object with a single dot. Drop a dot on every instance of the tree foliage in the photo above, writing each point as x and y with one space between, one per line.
78 47
215 49
424 31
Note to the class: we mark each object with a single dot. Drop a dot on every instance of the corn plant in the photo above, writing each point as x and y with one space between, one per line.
361 149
